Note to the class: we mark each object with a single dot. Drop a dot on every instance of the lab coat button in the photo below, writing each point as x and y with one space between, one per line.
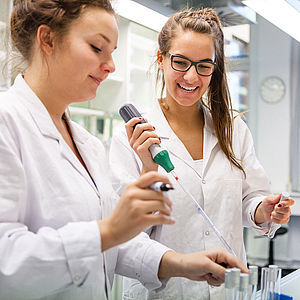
76 278
207 232
203 181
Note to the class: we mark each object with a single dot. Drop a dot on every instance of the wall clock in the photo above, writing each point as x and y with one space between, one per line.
272 89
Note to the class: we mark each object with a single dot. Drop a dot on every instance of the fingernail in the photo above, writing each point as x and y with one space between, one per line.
159 139
140 118
279 205
153 127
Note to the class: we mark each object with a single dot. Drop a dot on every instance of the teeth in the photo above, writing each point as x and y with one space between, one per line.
190 89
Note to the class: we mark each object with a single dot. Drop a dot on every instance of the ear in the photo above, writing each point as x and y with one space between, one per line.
45 39
160 60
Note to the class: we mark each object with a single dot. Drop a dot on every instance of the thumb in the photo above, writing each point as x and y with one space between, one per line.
272 200
277 199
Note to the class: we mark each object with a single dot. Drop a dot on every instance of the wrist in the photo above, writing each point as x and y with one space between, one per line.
146 169
171 265
258 214
108 239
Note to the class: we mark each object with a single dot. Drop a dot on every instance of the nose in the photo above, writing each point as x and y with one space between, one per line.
191 75
108 66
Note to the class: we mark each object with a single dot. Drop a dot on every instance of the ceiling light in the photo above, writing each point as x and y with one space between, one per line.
140 14
280 13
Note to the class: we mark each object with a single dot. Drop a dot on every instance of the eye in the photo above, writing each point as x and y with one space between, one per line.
95 49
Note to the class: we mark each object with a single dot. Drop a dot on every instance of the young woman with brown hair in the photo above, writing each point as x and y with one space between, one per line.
210 147
62 235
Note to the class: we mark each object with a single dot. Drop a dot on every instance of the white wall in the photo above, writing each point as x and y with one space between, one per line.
270 55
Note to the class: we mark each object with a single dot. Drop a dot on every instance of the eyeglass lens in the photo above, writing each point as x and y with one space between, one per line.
182 64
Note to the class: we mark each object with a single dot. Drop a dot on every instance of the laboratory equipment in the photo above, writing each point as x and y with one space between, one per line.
274 226
274 279
244 286
270 282
229 286
253 281
235 273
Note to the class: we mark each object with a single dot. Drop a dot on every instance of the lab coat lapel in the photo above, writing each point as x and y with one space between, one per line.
44 123
210 140
85 146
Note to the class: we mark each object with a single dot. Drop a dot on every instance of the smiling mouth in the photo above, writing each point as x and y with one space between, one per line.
186 88
98 81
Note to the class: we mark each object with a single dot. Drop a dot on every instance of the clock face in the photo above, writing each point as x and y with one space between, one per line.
272 89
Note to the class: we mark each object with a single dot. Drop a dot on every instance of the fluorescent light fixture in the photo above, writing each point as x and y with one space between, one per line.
278 12
140 14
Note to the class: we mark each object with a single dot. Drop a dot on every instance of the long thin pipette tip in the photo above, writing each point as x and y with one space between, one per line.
174 175
205 216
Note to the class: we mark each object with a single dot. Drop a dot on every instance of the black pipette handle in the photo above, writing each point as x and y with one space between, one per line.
128 111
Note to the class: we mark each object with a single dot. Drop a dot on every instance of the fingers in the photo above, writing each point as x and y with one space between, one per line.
211 280
158 219
130 126
282 212
150 206
134 129
231 260
148 178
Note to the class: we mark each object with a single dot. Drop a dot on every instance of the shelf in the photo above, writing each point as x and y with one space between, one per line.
85 111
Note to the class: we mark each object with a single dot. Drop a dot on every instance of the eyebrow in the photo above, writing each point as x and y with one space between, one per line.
202 60
106 38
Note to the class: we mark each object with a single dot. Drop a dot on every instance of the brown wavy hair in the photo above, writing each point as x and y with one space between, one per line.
206 21
28 15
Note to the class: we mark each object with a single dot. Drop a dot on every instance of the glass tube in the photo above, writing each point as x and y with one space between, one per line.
274 281
253 280
244 287
229 286
236 281
265 288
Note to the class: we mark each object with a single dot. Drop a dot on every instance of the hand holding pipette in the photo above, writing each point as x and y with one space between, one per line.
275 209
143 140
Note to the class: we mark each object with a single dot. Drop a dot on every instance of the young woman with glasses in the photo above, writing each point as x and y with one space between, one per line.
210 147
63 228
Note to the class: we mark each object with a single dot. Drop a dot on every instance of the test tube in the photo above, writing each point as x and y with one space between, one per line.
253 280
236 282
274 281
229 286
244 286
265 288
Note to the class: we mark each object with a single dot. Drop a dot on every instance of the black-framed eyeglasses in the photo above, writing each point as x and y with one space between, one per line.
181 63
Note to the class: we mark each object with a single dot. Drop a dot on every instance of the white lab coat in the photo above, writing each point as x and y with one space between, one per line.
49 238
226 197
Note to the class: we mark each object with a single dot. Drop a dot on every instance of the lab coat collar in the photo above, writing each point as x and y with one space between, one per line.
35 107
44 122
